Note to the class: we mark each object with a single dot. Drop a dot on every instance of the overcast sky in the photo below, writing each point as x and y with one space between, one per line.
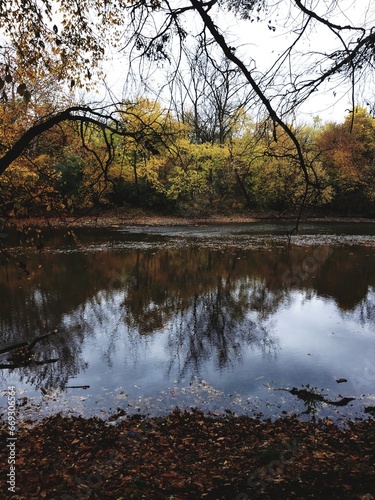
260 47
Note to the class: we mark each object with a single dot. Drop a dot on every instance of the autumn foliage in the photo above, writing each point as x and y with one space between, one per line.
163 167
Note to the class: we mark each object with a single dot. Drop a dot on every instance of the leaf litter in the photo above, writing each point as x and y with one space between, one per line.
190 454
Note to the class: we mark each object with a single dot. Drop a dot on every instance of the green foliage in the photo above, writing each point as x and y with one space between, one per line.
69 174
143 195
63 44
197 170
234 163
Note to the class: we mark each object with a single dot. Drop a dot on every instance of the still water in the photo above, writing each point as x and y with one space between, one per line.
215 317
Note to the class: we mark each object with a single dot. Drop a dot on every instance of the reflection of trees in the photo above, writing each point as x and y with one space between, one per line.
156 281
341 272
210 303
34 306
215 327
366 308
104 316
66 347
347 276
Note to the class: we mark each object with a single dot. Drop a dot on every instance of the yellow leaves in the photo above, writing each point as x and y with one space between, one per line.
185 181
19 172
143 113
42 160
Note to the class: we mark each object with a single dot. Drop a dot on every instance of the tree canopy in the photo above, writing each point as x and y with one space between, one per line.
321 46
71 38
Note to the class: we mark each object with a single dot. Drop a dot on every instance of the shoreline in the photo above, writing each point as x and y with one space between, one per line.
116 219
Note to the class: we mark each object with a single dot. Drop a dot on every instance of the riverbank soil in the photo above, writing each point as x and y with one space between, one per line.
189 455
123 217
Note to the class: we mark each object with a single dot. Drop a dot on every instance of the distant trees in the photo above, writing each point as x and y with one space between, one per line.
348 158
250 170
147 157
208 94
139 172
207 155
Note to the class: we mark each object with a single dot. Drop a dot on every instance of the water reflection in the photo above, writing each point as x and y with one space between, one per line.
176 314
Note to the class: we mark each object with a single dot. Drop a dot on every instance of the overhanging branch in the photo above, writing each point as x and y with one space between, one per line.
82 114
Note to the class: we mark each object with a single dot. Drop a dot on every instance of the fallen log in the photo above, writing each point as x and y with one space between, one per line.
27 362
29 345
307 395
77 387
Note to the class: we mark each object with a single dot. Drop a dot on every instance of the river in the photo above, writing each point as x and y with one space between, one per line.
216 317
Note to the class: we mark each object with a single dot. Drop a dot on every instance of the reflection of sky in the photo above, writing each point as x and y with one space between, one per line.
318 334
316 343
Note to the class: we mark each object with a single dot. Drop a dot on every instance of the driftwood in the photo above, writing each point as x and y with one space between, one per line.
29 345
77 387
308 395
27 363
22 355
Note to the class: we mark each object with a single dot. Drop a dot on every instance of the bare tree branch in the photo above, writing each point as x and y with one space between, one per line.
82 114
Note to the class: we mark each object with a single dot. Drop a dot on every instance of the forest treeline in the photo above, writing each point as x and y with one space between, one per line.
205 122
185 163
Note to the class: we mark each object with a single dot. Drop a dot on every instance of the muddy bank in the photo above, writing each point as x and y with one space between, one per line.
118 218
